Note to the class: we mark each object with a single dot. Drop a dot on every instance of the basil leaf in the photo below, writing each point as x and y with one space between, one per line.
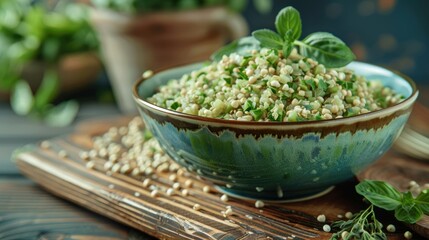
380 194
246 45
47 90
226 50
327 49
422 201
287 49
242 46
408 211
268 38
62 114
289 19
411 215
288 43
22 98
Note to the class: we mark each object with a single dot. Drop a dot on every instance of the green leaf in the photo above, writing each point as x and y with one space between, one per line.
288 43
58 24
237 5
242 46
380 193
174 105
256 113
289 19
322 85
287 49
408 211
51 49
422 201
248 105
22 98
311 83
226 50
63 114
33 21
268 38
47 90
327 49
263 6
246 45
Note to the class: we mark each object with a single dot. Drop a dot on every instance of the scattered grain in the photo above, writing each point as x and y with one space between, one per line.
146 182
321 218
224 198
196 207
206 189
259 204
348 215
62 154
154 193
408 235
90 165
391 228
326 228
188 183
45 144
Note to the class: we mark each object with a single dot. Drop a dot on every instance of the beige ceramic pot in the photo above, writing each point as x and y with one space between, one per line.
156 41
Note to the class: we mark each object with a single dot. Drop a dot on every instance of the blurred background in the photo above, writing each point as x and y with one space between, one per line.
57 53
390 33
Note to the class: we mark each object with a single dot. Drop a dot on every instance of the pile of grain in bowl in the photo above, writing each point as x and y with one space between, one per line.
265 86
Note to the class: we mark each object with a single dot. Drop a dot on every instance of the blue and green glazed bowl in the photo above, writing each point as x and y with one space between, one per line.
271 160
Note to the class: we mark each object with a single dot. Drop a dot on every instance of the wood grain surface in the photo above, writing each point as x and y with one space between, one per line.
27 212
125 199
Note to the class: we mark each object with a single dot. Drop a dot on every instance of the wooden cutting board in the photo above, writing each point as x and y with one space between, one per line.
59 168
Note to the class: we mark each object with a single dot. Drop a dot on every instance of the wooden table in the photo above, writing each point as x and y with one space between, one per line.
28 212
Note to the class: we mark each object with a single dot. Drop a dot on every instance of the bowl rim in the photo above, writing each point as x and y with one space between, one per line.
408 101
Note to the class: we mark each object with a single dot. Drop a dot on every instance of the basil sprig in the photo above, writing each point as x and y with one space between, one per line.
407 208
321 46
364 224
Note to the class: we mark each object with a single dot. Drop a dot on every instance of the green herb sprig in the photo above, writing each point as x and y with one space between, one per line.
383 195
321 46
364 225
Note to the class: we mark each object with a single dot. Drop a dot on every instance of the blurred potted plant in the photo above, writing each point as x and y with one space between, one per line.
46 49
140 35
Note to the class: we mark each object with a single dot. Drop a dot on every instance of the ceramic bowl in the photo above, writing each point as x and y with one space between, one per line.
271 160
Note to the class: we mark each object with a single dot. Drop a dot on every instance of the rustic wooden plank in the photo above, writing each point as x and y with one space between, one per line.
123 198
27 212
